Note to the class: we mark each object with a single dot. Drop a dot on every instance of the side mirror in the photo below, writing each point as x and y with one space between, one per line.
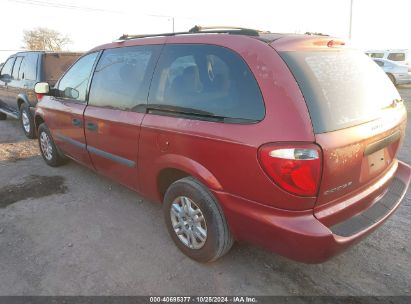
42 88
71 93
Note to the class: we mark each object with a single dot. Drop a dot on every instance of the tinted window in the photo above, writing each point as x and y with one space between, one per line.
341 89
28 69
380 63
396 56
376 55
74 83
16 67
122 77
206 81
7 68
54 65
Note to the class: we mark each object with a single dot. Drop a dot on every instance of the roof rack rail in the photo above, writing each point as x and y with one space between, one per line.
128 37
225 29
200 29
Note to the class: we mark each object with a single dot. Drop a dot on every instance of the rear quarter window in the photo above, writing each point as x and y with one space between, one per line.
206 79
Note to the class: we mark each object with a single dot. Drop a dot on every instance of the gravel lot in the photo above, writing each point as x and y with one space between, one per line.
68 231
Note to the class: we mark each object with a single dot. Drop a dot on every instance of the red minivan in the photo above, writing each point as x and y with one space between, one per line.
285 141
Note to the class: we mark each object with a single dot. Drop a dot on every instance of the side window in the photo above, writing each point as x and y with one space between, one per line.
207 82
16 67
7 69
396 56
122 77
74 83
28 69
376 55
380 63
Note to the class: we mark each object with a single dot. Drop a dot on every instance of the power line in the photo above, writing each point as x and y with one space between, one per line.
87 8
11 50
62 5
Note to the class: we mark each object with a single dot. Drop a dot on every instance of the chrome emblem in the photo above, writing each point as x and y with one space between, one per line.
339 188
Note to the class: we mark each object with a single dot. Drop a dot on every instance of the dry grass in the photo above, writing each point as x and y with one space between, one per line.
18 151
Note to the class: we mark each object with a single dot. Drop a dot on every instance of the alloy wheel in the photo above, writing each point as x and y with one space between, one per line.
46 146
188 222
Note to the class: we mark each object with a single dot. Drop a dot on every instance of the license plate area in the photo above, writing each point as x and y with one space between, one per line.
377 161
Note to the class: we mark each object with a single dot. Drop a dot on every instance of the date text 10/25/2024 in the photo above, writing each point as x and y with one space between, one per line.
176 299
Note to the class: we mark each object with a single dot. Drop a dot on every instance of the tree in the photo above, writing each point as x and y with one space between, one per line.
45 39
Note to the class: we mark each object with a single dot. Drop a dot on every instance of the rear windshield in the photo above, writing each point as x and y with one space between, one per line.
56 64
341 88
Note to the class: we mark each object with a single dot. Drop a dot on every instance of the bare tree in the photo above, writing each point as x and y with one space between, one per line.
45 39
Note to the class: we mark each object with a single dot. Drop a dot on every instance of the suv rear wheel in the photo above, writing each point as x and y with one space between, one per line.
392 78
26 121
195 221
51 155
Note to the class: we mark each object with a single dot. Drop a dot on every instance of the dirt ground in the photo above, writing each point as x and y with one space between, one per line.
68 231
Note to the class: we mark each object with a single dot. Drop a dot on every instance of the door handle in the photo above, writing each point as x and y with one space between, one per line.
76 122
92 126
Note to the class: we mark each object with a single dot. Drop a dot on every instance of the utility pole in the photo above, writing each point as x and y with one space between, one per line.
350 32
172 19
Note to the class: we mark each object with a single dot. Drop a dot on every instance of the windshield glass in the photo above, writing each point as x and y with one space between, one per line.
341 88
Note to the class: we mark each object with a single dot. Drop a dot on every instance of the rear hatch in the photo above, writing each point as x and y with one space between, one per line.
357 115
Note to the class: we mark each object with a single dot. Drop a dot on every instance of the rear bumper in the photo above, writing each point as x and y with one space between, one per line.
299 235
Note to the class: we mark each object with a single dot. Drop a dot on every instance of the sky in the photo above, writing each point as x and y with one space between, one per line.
376 23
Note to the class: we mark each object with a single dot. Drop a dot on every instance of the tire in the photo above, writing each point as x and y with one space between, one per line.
392 78
3 116
27 122
49 151
218 239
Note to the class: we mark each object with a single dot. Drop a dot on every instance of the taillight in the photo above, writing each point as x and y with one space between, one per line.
295 168
335 43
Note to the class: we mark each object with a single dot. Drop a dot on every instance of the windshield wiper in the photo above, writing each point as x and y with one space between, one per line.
188 112
177 109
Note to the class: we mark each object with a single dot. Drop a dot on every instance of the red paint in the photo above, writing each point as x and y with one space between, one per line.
225 156
117 133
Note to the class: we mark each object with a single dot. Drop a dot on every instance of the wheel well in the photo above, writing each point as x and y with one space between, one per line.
19 103
38 121
392 78
167 177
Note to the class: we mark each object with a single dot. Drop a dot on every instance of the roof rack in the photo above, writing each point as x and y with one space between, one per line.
201 29
225 29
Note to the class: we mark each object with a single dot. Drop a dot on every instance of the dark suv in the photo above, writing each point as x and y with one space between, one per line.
18 76
285 141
